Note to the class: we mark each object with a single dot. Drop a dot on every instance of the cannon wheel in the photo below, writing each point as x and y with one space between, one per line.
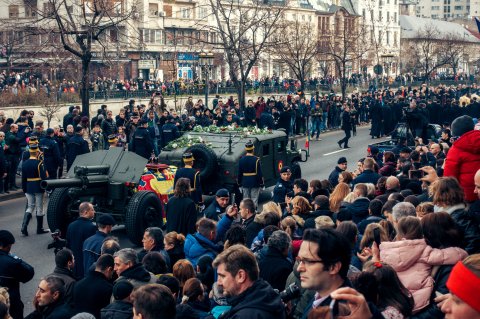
59 215
205 159
296 171
144 210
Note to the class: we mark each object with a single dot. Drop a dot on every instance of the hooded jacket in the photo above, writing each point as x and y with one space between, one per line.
463 161
413 261
197 245
257 302
138 276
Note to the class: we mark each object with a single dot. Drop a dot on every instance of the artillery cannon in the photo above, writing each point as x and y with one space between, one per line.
107 179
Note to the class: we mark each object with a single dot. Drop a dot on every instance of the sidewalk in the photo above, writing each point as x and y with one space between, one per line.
13 194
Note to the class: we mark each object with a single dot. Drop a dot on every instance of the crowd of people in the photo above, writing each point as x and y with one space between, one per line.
397 236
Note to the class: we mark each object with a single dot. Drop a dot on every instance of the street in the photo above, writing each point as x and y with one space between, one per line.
33 249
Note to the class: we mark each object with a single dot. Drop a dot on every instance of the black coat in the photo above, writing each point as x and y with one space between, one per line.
77 233
181 215
275 268
117 310
346 121
142 143
76 145
69 279
56 310
310 217
258 301
14 271
469 226
359 209
92 293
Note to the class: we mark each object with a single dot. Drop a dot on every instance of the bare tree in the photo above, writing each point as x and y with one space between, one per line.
297 52
426 49
245 30
49 109
80 28
345 47
453 50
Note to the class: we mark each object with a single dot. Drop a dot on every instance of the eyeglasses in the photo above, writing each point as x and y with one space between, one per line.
307 262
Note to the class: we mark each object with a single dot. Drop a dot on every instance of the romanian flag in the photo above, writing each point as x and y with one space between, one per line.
307 141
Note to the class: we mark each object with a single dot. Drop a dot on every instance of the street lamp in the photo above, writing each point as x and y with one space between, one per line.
206 64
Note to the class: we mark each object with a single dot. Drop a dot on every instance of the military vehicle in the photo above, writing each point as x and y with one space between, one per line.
217 156
108 180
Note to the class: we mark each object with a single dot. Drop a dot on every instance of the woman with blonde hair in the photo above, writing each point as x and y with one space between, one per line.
272 207
173 242
300 211
337 196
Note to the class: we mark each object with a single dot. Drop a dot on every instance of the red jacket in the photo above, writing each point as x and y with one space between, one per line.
463 161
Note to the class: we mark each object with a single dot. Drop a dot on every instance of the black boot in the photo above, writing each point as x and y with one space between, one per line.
339 144
40 229
26 220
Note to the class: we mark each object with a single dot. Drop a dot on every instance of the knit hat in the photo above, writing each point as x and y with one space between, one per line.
462 125
464 283
122 290
6 238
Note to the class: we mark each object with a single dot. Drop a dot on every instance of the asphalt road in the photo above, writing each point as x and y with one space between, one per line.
33 249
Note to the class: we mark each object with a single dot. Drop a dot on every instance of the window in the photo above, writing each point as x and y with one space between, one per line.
380 17
395 17
458 7
202 12
294 16
31 10
186 13
168 10
388 16
388 37
13 11
266 150
151 36
280 146
435 7
363 13
48 9
395 43
153 9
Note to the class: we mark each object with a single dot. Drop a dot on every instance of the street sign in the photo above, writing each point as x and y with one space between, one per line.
378 69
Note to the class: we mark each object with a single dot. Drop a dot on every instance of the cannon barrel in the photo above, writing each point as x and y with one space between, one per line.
75 181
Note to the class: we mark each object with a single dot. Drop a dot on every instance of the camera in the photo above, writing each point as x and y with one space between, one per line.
290 293
58 242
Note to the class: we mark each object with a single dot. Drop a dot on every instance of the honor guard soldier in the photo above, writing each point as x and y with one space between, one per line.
142 143
33 172
250 177
32 140
112 140
194 176
51 154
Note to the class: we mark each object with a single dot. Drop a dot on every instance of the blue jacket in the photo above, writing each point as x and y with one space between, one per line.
92 248
77 233
197 246
368 176
359 209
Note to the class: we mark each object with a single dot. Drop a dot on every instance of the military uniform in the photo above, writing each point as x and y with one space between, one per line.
51 156
281 189
142 143
250 176
169 132
193 175
76 145
33 172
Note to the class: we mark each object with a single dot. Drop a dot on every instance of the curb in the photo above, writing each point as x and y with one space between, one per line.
12 195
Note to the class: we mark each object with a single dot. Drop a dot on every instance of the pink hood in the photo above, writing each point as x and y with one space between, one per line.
413 261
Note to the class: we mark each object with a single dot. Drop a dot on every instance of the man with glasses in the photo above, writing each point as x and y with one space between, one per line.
283 186
341 167
323 262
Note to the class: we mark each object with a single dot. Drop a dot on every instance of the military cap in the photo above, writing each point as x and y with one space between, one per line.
188 157
106 219
6 238
285 169
222 192
33 140
249 146
112 138
342 160
49 131
33 148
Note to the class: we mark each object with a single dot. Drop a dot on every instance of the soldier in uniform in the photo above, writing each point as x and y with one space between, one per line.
112 140
250 176
76 145
169 131
33 172
194 176
283 186
142 143
51 154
